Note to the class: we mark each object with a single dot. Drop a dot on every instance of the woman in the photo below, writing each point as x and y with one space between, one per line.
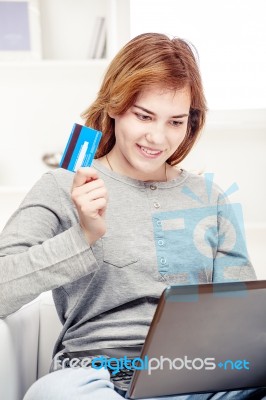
101 240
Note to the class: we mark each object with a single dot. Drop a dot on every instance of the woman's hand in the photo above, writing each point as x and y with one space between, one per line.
89 195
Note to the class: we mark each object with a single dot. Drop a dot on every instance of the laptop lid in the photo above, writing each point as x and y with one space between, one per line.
208 337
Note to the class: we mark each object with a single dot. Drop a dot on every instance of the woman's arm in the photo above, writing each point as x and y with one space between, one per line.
232 261
42 247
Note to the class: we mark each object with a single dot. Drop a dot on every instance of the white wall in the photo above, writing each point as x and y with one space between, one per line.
39 104
230 37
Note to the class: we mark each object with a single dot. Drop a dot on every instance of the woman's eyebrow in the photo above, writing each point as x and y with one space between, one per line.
152 113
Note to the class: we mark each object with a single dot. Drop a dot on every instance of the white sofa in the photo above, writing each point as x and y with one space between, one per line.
27 338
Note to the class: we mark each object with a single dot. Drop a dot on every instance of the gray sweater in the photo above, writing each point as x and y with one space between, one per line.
158 233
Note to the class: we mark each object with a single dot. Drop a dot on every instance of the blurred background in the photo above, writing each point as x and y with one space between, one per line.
45 87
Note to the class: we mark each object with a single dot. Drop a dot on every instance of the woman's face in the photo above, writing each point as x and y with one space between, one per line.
149 132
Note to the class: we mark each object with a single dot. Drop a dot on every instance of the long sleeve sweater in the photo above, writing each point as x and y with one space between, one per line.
158 233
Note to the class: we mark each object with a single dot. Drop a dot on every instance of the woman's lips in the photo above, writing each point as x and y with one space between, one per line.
148 152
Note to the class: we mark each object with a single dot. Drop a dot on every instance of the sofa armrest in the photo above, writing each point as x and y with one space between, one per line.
19 336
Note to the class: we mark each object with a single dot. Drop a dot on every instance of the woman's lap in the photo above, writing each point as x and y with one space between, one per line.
91 384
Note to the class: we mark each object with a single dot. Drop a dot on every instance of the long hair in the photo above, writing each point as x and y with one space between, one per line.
148 59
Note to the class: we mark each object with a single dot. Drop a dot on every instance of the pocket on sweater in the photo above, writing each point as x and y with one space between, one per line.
118 252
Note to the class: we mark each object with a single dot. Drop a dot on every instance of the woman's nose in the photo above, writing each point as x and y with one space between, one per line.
156 135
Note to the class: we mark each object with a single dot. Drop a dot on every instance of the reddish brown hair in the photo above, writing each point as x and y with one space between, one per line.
148 59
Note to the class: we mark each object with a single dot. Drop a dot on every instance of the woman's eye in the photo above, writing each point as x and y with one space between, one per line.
143 117
177 123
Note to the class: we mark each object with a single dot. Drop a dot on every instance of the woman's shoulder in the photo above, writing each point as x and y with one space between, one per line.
203 185
52 183
61 177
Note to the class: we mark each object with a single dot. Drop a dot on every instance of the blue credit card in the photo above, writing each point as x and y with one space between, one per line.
81 148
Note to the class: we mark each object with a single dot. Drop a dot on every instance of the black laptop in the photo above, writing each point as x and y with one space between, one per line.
203 338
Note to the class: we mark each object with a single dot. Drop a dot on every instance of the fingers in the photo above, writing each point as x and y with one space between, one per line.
86 181
88 187
84 175
92 208
89 195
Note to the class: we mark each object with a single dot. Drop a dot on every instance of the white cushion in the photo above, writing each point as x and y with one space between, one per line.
27 338
19 335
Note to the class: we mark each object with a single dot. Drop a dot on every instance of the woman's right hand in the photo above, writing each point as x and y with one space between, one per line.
89 195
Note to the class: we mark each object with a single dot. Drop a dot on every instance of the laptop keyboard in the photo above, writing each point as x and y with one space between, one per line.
121 379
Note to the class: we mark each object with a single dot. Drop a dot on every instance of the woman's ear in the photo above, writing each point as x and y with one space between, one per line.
110 114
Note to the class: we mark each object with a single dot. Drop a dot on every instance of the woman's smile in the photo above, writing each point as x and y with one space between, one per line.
148 152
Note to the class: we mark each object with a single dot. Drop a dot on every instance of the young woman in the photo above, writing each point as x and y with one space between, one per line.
101 239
